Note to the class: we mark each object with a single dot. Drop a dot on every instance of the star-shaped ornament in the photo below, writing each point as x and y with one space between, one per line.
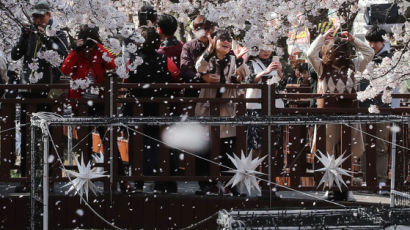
82 182
333 171
245 172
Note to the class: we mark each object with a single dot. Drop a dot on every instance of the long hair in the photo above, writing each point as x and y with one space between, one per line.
338 52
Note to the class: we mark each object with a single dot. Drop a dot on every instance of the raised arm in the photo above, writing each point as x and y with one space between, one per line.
364 56
313 54
202 63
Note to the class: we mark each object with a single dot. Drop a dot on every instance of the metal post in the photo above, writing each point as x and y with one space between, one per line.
270 145
111 135
45 180
32 179
70 145
393 167
67 113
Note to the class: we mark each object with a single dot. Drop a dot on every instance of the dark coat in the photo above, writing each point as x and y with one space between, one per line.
153 70
189 55
172 48
26 47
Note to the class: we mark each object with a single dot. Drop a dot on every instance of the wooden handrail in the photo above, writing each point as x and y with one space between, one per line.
136 161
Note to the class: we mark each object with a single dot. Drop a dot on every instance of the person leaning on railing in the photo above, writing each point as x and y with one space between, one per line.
218 65
335 72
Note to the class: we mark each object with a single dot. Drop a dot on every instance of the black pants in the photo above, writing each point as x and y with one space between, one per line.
227 146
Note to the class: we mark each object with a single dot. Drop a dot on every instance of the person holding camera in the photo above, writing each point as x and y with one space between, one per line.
335 71
33 40
89 60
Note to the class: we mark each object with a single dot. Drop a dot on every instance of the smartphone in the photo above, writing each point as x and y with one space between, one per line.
275 59
213 34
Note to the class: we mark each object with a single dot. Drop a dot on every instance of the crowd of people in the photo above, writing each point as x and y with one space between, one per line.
208 58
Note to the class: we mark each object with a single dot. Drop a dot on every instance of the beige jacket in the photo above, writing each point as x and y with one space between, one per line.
364 56
203 66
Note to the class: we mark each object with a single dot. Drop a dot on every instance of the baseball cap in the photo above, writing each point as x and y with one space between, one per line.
41 7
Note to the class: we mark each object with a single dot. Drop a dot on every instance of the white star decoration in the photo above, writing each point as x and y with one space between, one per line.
245 172
98 158
82 183
333 171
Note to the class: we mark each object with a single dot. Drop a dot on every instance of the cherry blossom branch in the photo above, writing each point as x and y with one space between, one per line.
397 63
10 14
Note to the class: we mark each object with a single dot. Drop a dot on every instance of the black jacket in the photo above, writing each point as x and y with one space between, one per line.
26 48
153 70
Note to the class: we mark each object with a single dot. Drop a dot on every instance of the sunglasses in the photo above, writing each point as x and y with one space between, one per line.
225 39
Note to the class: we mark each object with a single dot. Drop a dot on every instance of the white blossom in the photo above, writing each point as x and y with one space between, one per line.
374 109
51 57
122 72
137 61
132 48
80 84
106 58
35 77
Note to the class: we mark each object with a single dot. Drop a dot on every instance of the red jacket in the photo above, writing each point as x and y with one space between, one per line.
77 65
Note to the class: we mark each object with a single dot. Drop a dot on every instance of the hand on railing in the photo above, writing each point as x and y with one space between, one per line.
211 78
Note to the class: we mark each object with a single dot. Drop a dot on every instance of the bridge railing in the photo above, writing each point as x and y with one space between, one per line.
291 162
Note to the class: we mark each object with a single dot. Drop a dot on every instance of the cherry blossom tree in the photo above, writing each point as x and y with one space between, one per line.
259 23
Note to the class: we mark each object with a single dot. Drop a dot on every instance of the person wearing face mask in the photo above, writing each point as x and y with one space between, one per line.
191 50
219 65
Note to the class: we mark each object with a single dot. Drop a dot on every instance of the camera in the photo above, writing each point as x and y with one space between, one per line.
29 28
87 44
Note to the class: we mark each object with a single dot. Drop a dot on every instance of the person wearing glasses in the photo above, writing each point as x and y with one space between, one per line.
219 65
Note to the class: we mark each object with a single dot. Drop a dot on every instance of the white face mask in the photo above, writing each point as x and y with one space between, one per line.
199 33
254 52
